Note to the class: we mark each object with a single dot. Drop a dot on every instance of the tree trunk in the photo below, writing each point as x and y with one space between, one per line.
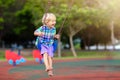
72 46
112 34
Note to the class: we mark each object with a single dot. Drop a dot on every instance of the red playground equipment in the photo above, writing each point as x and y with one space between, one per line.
13 58
37 56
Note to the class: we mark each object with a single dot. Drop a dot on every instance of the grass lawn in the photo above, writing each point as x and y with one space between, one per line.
67 54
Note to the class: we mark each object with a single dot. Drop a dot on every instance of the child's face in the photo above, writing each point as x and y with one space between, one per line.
51 23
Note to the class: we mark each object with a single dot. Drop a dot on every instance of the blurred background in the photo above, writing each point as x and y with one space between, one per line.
86 24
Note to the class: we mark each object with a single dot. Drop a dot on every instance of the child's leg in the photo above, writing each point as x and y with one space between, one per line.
50 57
50 60
48 64
45 57
50 72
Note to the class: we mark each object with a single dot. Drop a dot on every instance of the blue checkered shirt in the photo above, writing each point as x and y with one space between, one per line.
48 37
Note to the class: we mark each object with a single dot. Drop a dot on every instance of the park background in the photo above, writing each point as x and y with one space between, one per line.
89 27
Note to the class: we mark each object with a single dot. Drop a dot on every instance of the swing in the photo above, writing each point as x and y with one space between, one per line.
36 54
55 44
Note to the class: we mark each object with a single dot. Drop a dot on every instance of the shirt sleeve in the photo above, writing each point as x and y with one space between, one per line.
39 29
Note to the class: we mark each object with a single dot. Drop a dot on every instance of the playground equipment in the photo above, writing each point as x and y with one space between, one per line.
37 56
13 58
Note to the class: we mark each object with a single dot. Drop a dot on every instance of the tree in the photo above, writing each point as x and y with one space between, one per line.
4 7
16 22
112 9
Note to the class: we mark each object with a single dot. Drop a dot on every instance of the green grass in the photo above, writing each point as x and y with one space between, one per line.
91 54
85 53
2 55
67 54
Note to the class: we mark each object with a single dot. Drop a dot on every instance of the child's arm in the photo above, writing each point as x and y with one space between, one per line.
38 32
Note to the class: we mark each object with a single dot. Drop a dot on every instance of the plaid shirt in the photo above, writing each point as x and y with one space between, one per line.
48 37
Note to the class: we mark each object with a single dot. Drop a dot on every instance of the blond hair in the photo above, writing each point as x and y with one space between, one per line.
47 17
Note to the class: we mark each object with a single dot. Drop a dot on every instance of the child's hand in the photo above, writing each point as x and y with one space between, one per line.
57 36
41 33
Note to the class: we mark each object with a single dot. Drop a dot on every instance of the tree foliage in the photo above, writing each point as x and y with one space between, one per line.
19 18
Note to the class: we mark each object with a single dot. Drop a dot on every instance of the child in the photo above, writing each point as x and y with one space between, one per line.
45 40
